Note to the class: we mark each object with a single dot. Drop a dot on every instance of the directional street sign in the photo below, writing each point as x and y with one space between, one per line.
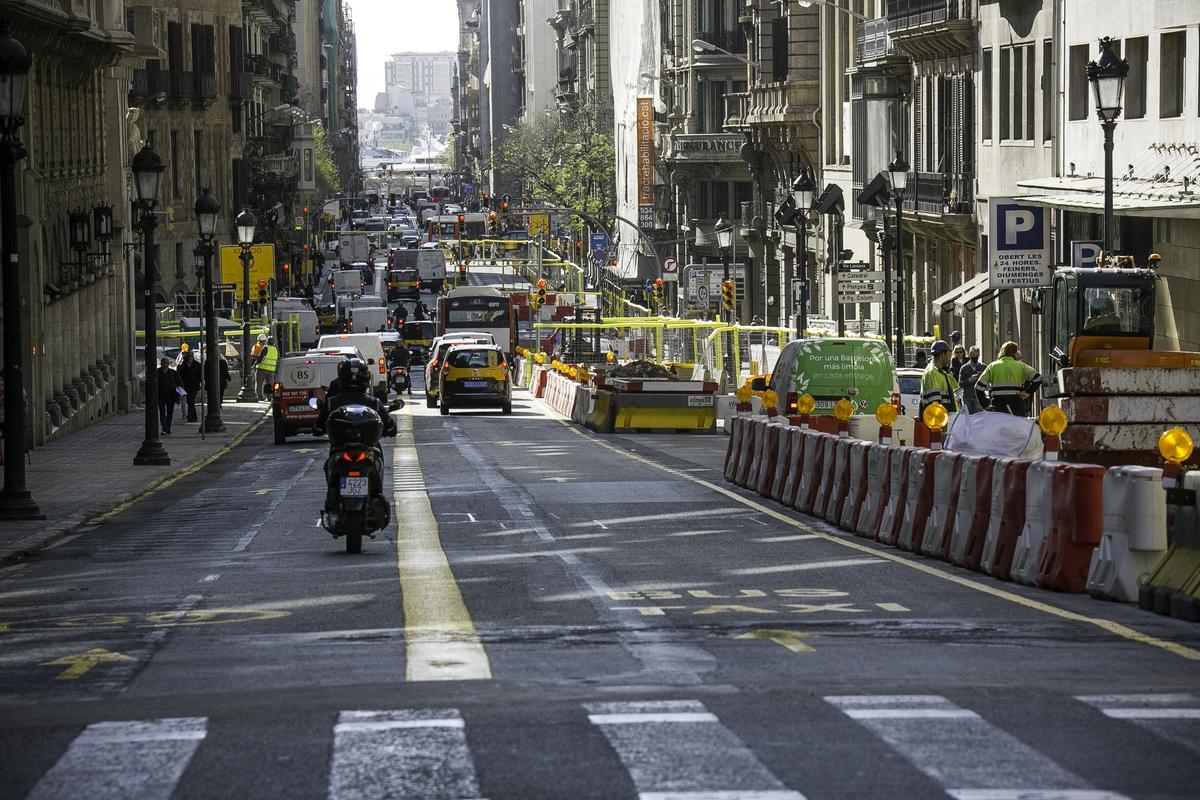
859 276
866 297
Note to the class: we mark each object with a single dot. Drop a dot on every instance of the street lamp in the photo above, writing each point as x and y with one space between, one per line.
701 46
831 203
147 175
803 189
724 231
899 172
207 210
16 502
245 233
1108 84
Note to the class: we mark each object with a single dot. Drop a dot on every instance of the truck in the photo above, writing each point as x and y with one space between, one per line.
1118 372
353 246
347 282
367 319
429 264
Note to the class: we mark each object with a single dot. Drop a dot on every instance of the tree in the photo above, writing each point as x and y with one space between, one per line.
329 182
565 158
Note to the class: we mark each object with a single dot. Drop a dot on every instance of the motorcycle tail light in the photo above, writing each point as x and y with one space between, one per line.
348 456
353 475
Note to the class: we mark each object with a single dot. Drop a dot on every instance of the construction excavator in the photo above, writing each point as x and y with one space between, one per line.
1118 374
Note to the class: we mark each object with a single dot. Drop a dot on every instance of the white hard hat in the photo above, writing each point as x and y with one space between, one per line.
262 337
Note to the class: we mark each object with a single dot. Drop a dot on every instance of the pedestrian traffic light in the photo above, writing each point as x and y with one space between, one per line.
727 298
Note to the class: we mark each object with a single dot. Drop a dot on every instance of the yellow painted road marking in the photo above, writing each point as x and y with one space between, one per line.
78 665
1115 628
440 639
792 640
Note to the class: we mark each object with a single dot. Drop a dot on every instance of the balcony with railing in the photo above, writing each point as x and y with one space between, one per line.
932 28
737 106
146 84
782 102
871 41
940 193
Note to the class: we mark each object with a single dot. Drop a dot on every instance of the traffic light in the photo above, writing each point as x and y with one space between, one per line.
727 298
487 199
658 291
541 292
462 219
504 202
262 291
492 221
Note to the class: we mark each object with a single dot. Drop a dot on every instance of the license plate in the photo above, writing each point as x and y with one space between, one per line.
299 409
475 384
354 487
703 401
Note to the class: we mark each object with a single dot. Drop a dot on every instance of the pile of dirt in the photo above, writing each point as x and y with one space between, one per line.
641 369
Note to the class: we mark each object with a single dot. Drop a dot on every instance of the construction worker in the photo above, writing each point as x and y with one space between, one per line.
1008 382
937 384
267 359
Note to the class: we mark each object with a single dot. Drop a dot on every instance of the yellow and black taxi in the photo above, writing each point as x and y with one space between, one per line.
403 284
475 375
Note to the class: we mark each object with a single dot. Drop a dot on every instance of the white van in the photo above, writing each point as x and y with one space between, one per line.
372 350
367 319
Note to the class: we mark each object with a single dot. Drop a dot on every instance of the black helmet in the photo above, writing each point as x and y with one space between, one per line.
354 374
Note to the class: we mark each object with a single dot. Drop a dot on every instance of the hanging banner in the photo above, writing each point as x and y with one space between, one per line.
1019 245
645 161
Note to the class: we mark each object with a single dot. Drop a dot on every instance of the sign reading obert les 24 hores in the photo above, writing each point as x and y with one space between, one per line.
1019 245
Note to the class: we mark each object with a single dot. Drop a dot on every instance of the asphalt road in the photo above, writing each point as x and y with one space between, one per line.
559 615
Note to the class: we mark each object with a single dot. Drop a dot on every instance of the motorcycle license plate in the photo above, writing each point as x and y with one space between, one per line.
475 384
354 487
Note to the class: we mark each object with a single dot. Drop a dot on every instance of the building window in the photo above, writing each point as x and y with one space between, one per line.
1077 75
1030 91
1172 57
1047 90
180 265
1018 105
175 189
779 49
1136 53
986 95
1005 91
198 144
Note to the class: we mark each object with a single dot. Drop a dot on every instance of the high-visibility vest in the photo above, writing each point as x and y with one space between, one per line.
937 386
1006 377
270 357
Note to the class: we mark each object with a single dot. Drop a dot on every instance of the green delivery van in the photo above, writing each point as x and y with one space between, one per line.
859 370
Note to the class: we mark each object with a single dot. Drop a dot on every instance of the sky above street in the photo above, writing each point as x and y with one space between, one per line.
383 27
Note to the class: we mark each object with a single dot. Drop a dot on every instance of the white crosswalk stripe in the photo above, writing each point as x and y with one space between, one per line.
971 758
413 753
136 760
678 750
1174 717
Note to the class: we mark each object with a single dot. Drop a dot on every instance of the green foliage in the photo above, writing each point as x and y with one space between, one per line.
329 182
566 158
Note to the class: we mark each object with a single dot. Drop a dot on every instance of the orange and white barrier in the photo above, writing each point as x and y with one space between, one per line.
1038 503
770 457
783 452
1076 526
1007 516
841 480
918 499
826 480
856 482
893 512
973 511
947 474
1134 539
795 465
875 496
812 471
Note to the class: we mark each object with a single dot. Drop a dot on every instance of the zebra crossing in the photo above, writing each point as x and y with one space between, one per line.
667 750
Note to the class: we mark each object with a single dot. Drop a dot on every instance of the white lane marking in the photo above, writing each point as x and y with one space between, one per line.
686 755
141 759
633 719
401 753
210 578
971 758
830 564
799 537
893 607
1171 717
713 512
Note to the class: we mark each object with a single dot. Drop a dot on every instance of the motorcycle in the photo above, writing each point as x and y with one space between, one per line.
355 505
399 380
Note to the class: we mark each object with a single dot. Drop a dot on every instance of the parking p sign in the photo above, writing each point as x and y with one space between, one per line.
1019 245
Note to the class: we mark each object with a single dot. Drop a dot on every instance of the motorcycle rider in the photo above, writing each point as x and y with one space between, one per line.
353 389
399 357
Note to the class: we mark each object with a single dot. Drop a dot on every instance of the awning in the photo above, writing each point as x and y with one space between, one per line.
1123 206
945 302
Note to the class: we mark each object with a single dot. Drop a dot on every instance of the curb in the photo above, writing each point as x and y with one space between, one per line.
61 530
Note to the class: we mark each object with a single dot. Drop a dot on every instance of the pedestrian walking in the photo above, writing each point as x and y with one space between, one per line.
191 376
958 359
168 392
1009 382
225 374
265 368
973 400
937 384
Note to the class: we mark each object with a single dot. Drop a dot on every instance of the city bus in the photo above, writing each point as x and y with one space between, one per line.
479 308
447 226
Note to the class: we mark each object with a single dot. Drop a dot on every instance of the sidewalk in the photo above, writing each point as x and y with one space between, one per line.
89 473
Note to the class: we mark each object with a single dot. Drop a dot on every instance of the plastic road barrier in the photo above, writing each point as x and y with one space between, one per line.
583 405
600 419
856 478
875 497
919 499
810 473
782 453
1174 585
1039 503
795 465
973 512
770 457
750 452
1007 516
893 512
745 450
538 381
1135 533
825 482
650 405
733 451
1076 525
841 480
947 475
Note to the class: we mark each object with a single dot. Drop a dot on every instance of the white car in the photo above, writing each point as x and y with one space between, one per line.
909 379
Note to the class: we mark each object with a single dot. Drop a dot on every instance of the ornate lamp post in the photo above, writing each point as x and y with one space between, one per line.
15 500
245 232
1107 77
899 172
724 232
207 209
147 174
803 189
